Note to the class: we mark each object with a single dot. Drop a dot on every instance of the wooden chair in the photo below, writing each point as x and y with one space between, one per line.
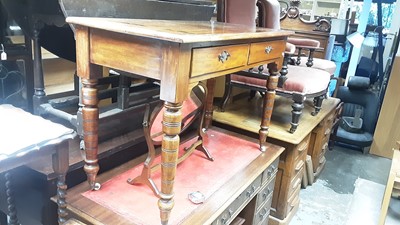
192 113
298 83
24 138
11 86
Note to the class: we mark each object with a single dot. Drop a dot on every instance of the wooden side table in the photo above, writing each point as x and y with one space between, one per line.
179 54
25 138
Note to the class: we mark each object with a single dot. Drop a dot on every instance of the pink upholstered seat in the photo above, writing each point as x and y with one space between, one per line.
322 64
316 81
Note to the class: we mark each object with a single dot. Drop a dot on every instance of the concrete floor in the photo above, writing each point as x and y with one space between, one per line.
349 191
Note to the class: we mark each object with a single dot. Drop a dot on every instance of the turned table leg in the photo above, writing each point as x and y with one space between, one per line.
209 103
268 106
172 119
90 117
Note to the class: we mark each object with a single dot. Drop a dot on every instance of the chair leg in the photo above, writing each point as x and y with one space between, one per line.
252 94
297 107
227 93
12 211
317 104
60 167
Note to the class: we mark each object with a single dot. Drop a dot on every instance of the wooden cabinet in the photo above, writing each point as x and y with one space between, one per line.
290 173
245 115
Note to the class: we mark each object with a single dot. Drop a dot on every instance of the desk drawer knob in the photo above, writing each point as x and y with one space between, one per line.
224 56
268 49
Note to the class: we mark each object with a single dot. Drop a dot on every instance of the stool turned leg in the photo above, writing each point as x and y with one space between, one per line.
172 120
317 104
60 167
12 211
297 107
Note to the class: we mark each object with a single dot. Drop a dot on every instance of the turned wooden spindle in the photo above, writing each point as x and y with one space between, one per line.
12 211
60 167
172 119
90 117
269 99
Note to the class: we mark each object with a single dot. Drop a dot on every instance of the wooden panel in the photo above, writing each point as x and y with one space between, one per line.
259 51
387 130
207 60
112 50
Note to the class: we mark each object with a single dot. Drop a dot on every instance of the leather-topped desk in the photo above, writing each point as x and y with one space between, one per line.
179 54
246 193
311 138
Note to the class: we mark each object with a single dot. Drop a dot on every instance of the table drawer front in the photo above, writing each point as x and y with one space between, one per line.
293 200
270 171
265 194
208 60
296 180
266 50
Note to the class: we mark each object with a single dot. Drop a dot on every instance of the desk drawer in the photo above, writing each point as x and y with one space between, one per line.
263 213
266 50
293 200
231 212
302 148
265 194
270 171
209 60
296 180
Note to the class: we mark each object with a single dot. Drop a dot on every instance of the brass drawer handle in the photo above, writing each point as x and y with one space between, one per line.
250 192
268 49
224 56
266 193
262 214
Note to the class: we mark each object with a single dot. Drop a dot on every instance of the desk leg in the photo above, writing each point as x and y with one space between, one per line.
172 119
209 102
60 167
268 106
90 117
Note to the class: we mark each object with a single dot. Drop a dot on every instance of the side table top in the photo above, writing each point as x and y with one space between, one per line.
178 31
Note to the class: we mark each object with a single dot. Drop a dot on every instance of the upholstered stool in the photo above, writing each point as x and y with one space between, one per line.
24 138
301 83
311 46
322 64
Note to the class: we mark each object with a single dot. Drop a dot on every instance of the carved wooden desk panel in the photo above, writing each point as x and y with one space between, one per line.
179 54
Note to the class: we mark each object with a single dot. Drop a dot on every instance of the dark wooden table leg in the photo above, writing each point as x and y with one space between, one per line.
172 119
268 106
12 211
60 167
90 114
209 103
